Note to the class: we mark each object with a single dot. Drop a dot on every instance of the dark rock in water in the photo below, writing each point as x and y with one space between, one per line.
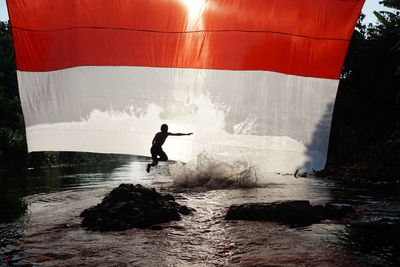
298 212
298 173
295 212
184 210
132 206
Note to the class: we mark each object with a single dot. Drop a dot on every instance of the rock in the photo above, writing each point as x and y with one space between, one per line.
184 210
298 212
132 206
298 173
294 212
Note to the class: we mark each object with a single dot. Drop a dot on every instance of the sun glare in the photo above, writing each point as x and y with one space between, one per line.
194 8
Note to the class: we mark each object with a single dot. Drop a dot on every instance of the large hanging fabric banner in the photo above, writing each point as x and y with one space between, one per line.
247 77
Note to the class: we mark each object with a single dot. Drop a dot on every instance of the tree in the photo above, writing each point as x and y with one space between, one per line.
367 108
12 133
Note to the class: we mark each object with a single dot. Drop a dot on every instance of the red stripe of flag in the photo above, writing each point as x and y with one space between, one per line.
299 37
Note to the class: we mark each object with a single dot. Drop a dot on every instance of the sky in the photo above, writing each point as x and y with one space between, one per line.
369 7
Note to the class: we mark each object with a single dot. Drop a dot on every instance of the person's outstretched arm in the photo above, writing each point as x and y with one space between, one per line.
180 134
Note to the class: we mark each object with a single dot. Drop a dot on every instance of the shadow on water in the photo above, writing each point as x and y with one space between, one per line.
15 185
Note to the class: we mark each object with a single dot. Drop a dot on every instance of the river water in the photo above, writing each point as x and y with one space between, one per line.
55 197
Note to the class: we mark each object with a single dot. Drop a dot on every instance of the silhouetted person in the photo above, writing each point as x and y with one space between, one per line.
156 148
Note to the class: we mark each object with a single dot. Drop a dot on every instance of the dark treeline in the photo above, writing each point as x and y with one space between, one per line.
366 121
365 133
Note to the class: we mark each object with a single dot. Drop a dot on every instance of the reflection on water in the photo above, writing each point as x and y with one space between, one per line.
55 198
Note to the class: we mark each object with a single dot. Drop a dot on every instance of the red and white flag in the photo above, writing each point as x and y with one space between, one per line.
251 77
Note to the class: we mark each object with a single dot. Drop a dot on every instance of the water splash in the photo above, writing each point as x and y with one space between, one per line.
214 172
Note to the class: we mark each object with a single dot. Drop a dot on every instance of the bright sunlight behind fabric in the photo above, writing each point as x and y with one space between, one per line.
251 78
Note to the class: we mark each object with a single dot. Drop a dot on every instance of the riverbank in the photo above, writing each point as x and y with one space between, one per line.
379 164
43 160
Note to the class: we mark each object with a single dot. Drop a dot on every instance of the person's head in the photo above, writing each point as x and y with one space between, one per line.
164 128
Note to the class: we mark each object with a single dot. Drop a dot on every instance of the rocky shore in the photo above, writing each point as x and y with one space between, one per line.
295 212
378 164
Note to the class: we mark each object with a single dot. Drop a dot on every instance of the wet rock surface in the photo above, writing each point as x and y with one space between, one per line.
296 212
132 206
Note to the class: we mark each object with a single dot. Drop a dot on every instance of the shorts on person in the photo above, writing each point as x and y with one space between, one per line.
158 155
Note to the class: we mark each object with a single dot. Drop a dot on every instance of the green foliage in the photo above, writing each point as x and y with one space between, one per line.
12 133
381 18
390 21
391 3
